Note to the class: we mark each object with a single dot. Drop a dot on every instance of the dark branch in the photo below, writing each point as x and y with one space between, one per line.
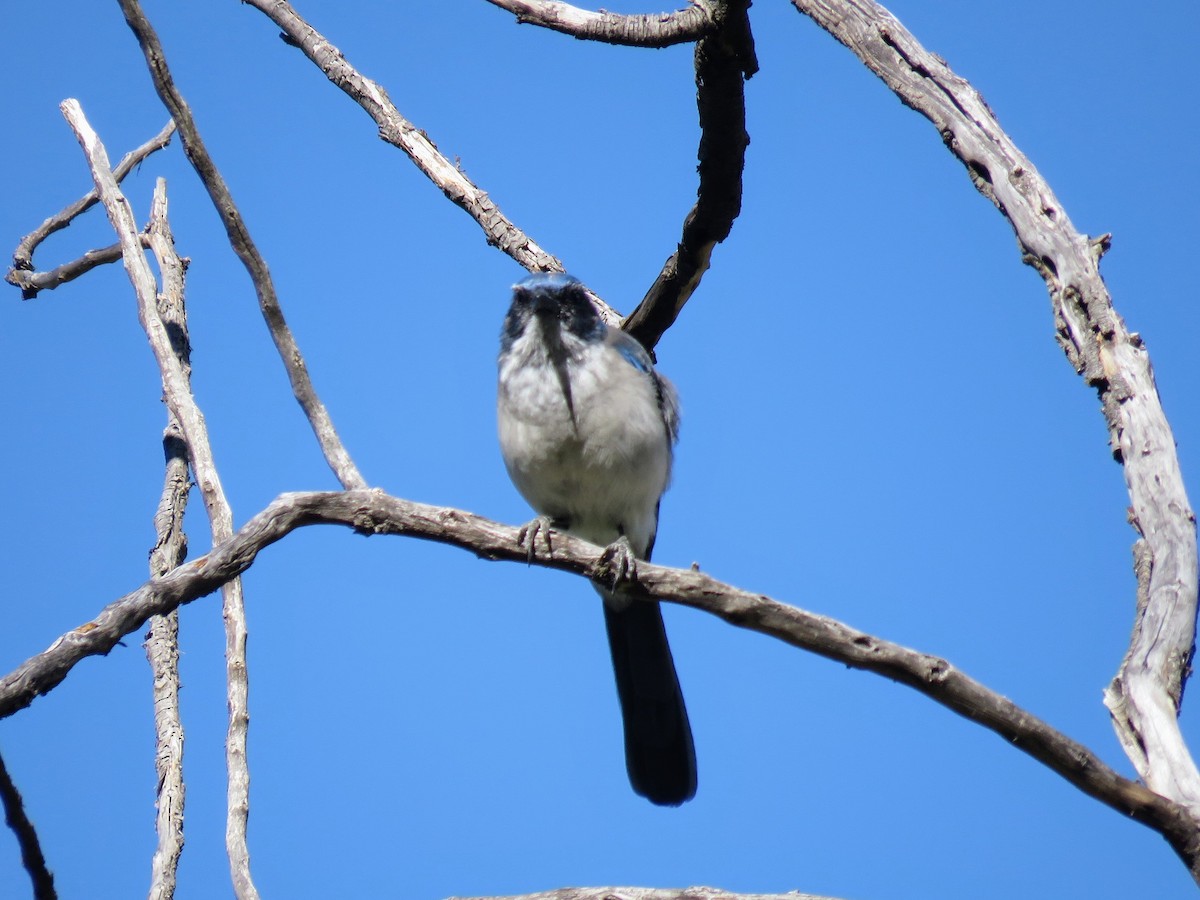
723 60
373 512
647 30
27 839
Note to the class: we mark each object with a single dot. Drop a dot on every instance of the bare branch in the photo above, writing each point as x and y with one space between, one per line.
239 238
404 135
27 839
636 893
374 512
179 399
31 283
723 60
647 30
170 550
21 273
1144 697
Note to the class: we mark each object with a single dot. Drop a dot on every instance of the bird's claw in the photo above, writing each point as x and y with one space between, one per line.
617 565
527 537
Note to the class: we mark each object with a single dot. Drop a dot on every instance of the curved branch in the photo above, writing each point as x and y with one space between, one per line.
374 512
723 61
645 30
243 245
31 282
24 276
1144 697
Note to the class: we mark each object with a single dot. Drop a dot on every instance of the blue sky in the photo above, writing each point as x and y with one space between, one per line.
878 426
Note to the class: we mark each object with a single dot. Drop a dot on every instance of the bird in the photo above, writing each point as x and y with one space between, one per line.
587 429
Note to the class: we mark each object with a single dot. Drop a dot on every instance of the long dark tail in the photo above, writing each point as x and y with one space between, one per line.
659 753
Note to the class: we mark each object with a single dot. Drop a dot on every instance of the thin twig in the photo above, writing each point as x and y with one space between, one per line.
374 512
22 273
646 30
1145 696
170 550
243 245
179 399
723 61
27 839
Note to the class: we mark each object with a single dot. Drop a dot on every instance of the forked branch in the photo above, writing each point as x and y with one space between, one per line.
27 278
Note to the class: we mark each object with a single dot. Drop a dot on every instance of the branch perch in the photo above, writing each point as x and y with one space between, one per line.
374 512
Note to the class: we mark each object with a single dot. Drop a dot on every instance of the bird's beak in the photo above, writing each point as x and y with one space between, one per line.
545 305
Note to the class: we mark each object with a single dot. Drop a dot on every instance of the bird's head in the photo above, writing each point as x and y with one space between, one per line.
558 303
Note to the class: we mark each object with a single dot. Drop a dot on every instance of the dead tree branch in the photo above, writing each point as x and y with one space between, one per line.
243 245
647 30
374 512
177 392
724 60
31 283
170 550
635 893
404 135
1144 697
22 273
27 839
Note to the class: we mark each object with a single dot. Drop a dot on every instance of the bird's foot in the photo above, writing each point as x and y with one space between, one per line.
527 537
617 565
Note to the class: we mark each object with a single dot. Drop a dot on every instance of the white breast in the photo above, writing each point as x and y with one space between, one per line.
603 470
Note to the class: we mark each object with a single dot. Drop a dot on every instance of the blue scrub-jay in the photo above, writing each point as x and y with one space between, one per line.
586 429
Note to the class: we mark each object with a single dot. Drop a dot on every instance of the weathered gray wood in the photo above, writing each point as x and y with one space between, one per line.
23 275
243 245
1144 697
179 399
634 30
634 893
169 551
374 512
